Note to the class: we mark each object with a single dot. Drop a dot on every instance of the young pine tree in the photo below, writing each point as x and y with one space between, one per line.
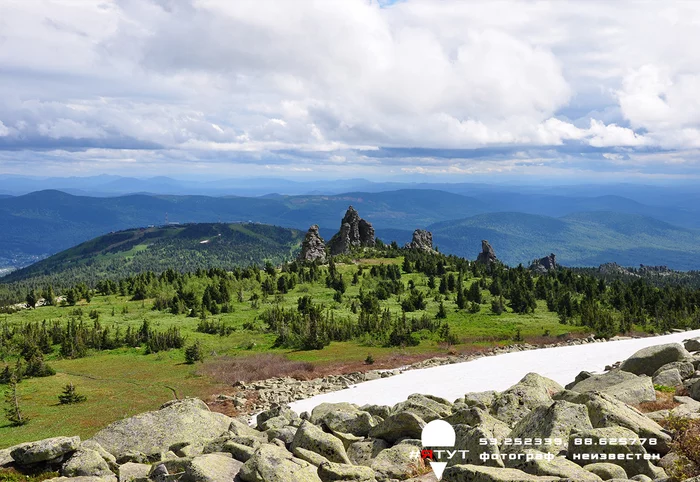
13 412
70 395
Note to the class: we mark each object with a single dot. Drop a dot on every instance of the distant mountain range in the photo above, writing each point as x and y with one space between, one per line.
521 223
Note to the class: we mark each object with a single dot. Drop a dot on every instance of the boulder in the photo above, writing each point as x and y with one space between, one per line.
286 434
481 400
544 265
487 255
606 411
44 450
311 457
647 360
692 345
397 426
85 461
668 378
278 412
84 478
212 468
381 411
685 368
555 421
688 407
632 455
422 240
331 472
362 453
313 248
606 471
343 417
469 439
531 392
130 471
477 473
426 407
538 463
625 386
185 421
310 437
271 463
398 462
476 417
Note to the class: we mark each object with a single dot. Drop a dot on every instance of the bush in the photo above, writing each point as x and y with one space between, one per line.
369 360
664 389
70 396
194 353
686 444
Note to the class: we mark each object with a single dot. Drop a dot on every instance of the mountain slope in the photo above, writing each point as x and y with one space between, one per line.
580 239
183 247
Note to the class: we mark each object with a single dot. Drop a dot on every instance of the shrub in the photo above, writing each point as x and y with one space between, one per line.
369 360
664 389
686 444
70 396
194 353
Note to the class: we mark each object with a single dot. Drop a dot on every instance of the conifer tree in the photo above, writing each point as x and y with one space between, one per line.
70 395
13 412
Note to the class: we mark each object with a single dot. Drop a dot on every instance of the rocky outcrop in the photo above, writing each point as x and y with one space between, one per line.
354 232
487 255
647 360
422 239
313 248
543 265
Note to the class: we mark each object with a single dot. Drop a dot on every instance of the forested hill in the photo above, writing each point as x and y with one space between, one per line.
184 247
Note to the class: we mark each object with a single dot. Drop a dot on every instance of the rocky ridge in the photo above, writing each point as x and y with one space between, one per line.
313 248
544 265
422 239
487 255
185 441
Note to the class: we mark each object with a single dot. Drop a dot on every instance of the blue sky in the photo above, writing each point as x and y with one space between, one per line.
351 88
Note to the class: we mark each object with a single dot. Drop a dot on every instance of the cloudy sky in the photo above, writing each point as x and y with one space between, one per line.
351 88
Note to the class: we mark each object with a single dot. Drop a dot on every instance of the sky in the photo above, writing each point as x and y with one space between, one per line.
451 90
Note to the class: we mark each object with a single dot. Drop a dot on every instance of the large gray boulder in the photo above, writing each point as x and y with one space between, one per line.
625 386
271 463
131 471
426 407
212 468
606 411
397 426
85 461
343 417
477 473
606 470
397 462
365 451
556 421
647 360
538 463
529 393
182 422
331 472
631 455
481 400
685 368
469 439
44 450
476 417
692 345
668 378
310 437
487 255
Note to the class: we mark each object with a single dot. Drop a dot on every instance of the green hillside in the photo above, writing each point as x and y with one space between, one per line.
184 247
581 239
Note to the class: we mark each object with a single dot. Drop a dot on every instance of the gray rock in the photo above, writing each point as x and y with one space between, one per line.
487 255
271 463
397 426
422 240
381 411
331 472
692 345
354 232
186 421
397 462
481 400
212 468
669 378
695 390
85 461
687 408
625 386
84 478
556 421
239 451
633 465
284 412
425 407
130 471
286 434
469 439
363 453
606 411
584 375
109 458
311 457
44 450
310 437
606 471
544 265
537 463
5 457
643 478
343 417
647 360
476 417
313 248
531 392
685 368
476 473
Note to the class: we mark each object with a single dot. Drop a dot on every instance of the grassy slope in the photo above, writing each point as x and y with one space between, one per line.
125 382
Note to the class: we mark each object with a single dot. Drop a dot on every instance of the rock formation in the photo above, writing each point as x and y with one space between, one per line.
354 232
543 265
313 248
487 255
422 239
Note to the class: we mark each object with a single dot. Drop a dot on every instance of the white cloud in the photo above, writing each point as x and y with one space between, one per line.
259 76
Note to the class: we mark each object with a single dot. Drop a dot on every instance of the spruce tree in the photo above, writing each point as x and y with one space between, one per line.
70 395
13 412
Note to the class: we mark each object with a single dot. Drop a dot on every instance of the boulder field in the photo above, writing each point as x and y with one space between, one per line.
536 430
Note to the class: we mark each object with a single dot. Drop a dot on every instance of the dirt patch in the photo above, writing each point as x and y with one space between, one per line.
664 401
